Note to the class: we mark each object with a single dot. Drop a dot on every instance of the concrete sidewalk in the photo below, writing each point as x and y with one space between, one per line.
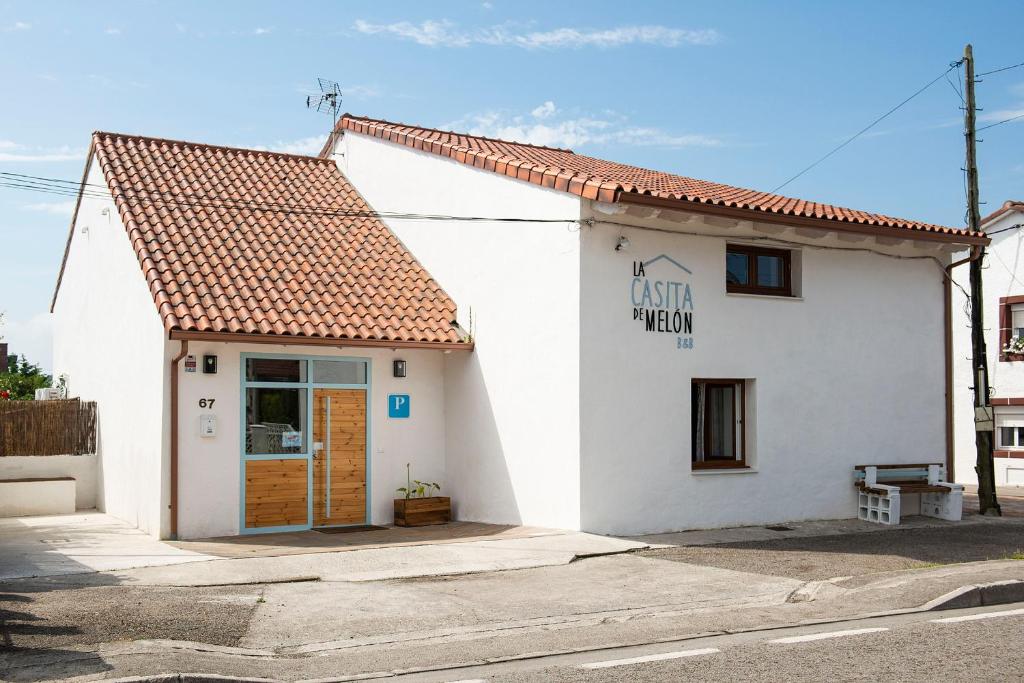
80 543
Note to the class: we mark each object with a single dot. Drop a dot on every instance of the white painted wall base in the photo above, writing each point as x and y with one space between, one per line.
37 497
82 468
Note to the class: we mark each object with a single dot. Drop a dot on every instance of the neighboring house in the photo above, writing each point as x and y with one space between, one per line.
1003 287
632 351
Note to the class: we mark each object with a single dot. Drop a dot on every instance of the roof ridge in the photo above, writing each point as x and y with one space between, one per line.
456 133
206 145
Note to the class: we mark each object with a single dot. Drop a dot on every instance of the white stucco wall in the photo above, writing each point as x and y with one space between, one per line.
209 470
109 340
852 373
1003 276
82 467
512 406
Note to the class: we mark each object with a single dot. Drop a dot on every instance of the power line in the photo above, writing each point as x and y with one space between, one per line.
999 123
174 200
995 71
871 125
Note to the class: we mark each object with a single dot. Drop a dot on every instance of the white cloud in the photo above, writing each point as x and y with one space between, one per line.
545 110
12 151
1002 115
112 31
361 91
542 127
445 33
16 26
57 208
261 31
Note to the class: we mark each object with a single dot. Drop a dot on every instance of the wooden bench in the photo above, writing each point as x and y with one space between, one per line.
881 487
37 496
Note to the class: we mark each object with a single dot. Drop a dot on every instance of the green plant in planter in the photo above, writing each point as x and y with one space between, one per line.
422 489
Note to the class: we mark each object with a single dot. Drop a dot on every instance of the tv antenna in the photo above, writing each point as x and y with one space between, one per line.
327 102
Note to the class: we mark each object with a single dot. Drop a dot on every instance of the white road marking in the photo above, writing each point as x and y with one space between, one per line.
829 634
650 658
975 617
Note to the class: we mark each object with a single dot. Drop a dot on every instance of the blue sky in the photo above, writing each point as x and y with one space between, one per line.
746 93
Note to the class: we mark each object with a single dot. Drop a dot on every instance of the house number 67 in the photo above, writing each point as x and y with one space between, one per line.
206 402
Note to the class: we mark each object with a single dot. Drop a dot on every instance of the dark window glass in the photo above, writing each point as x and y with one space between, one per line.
275 421
275 370
770 271
717 423
757 270
737 268
339 372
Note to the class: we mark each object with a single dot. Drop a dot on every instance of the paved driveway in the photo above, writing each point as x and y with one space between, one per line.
80 543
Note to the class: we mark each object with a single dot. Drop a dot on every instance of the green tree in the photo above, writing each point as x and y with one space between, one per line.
22 379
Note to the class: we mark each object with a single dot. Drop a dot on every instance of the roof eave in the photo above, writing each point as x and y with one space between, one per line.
298 340
798 221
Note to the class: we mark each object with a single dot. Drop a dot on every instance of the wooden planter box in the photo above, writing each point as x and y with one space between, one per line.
423 511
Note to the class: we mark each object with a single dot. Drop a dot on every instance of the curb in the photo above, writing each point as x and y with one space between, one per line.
979 595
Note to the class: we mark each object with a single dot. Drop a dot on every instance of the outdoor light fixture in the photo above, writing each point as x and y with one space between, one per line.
623 244
399 368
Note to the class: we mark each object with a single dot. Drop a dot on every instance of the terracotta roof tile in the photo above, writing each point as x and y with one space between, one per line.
234 240
609 181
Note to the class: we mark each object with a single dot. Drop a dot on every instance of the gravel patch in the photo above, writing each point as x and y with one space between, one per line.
826 557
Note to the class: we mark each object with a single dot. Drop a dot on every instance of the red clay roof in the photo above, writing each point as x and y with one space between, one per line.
243 241
607 181
1008 205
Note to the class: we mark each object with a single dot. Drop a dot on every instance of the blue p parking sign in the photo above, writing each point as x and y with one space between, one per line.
398 405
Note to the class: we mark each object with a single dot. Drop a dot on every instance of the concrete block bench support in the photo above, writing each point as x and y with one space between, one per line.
881 488
37 496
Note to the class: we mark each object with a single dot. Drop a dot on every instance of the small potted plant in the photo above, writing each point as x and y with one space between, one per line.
418 507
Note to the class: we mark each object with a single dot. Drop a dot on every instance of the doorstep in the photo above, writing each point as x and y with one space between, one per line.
314 541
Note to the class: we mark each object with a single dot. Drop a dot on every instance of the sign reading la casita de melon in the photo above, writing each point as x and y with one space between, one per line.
662 298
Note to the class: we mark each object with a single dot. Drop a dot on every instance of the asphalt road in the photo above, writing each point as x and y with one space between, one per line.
962 645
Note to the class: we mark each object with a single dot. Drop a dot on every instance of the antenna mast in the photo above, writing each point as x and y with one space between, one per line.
327 102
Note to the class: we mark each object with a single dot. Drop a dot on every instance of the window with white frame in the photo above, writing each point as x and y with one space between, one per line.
1017 320
1010 429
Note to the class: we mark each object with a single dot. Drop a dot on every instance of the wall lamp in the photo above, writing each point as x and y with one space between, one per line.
623 244
398 368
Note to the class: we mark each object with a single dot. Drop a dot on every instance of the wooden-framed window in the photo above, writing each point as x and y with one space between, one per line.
757 270
718 418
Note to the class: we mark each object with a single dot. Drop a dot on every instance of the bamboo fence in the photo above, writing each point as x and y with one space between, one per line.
66 427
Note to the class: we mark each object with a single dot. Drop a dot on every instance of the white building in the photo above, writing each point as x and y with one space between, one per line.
631 351
1003 287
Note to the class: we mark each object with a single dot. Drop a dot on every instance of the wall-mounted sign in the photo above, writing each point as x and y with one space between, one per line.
662 299
398 405
291 439
190 363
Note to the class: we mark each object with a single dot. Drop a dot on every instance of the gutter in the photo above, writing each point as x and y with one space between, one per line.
295 340
947 284
174 439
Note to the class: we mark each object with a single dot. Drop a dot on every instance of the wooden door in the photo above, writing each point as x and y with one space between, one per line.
339 468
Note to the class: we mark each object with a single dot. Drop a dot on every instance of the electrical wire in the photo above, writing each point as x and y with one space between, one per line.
995 71
177 200
778 240
999 123
871 125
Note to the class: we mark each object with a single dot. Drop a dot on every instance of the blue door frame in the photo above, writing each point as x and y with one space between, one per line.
309 386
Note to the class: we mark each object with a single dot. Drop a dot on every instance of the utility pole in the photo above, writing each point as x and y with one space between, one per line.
984 420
